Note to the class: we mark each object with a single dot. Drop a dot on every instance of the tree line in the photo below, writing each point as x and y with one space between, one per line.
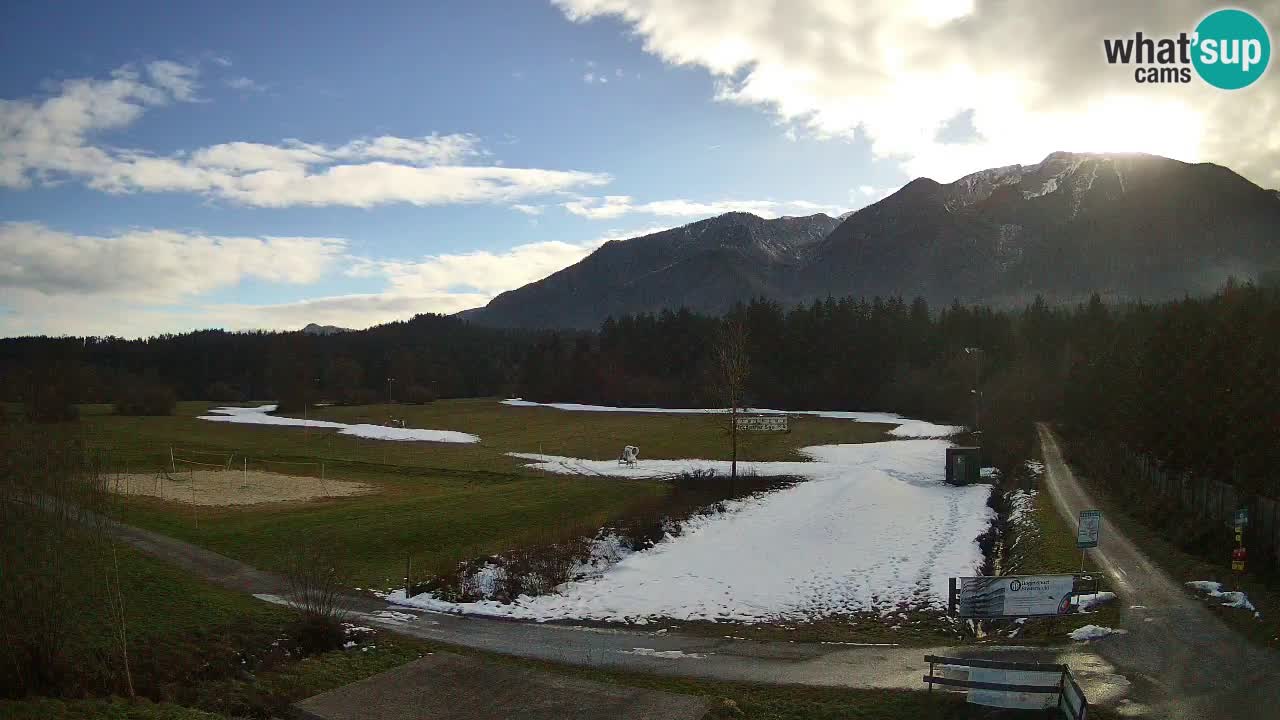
1191 383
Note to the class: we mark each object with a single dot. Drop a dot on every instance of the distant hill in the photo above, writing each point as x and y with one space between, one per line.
314 329
1128 226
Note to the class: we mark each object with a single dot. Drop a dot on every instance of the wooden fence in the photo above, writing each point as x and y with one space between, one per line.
1212 501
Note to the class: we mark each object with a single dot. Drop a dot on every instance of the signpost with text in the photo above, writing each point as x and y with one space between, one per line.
766 423
1089 532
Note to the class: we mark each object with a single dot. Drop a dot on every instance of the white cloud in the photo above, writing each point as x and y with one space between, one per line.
481 273
865 195
527 209
144 282
1032 76
244 84
52 139
614 206
153 266
176 79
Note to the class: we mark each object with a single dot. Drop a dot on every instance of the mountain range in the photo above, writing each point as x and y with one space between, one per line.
1126 226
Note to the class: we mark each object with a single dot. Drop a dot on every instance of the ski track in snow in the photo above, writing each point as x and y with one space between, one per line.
258 416
906 427
874 529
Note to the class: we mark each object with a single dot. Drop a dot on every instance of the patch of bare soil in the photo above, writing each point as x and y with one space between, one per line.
233 487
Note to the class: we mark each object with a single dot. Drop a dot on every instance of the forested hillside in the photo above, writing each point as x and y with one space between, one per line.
1192 383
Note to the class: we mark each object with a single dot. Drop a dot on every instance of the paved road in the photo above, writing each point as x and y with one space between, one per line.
446 686
1183 661
652 651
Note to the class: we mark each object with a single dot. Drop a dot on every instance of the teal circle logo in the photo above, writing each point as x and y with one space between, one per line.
1232 49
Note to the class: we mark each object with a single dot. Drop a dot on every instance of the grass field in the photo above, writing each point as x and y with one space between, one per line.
196 645
184 632
437 503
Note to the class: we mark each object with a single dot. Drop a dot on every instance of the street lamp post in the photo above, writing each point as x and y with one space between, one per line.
976 352
389 381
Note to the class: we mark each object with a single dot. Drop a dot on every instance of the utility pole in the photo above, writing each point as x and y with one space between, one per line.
389 381
976 352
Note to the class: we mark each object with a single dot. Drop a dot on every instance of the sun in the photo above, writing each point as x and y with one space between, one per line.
1132 124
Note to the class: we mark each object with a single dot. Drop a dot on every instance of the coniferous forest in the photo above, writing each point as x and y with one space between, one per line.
1194 384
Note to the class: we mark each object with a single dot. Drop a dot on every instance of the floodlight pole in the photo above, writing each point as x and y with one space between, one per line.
389 381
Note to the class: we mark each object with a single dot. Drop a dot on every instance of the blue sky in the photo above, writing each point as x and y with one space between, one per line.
270 164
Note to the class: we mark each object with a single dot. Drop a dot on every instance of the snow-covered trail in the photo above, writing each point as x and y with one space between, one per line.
259 416
874 529
906 427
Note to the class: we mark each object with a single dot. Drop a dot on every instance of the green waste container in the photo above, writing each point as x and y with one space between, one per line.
963 465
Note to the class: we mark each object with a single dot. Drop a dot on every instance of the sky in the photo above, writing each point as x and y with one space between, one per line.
171 166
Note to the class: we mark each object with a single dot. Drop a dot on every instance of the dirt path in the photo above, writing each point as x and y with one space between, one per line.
1183 661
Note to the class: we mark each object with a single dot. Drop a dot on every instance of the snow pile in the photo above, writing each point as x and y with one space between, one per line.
664 654
258 416
1085 603
1022 503
1229 598
906 427
917 429
1093 632
875 528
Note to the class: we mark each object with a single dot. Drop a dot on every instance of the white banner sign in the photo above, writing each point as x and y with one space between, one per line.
1015 595
773 423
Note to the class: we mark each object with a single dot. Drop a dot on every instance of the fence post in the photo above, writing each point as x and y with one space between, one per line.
408 586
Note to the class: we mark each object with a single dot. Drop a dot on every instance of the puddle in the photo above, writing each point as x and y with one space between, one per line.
539 569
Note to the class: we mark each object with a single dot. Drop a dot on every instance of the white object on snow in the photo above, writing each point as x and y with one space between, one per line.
1093 632
906 427
1229 598
630 454
258 416
875 528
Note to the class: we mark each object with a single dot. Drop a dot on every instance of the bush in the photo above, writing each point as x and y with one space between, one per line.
316 585
141 397
417 395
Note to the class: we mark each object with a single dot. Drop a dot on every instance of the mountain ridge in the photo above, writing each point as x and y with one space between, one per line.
1124 225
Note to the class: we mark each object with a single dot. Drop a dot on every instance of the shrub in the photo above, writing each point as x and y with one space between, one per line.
144 397
316 584
417 395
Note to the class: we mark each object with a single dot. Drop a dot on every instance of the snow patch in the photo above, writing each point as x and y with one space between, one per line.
876 528
907 428
1093 632
1229 599
259 416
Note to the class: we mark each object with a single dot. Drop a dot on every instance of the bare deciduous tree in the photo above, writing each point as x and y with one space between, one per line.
732 368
